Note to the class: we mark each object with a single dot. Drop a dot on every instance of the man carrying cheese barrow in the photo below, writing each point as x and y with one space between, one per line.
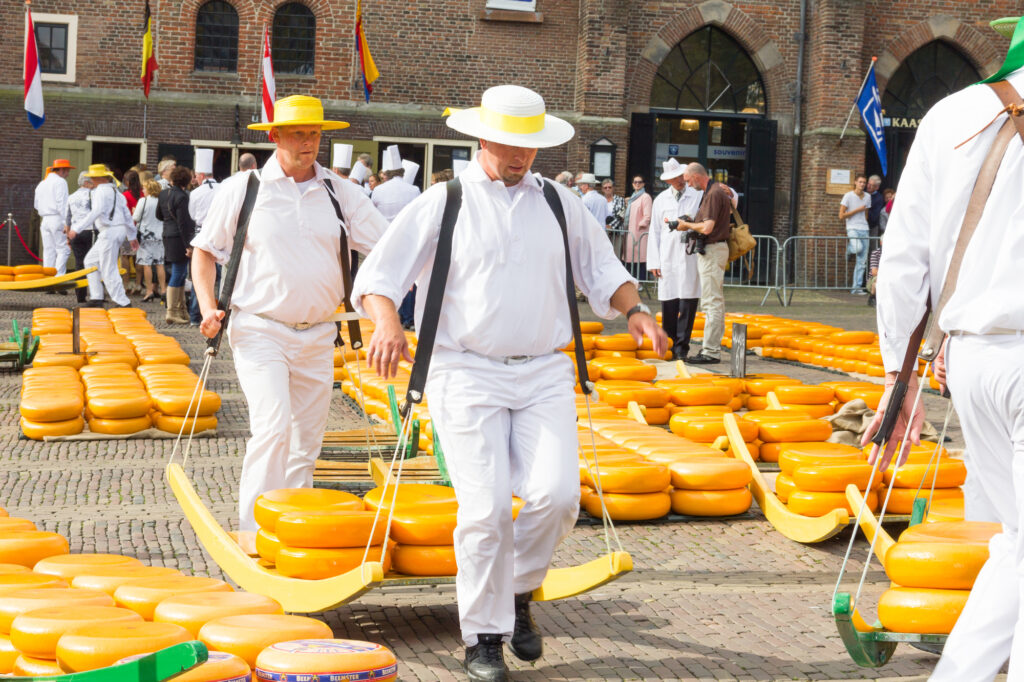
289 285
957 240
501 394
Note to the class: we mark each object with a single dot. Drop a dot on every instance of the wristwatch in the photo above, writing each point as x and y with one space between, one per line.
638 308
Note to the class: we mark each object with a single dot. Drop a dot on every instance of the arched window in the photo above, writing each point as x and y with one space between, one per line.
217 37
708 71
932 72
294 39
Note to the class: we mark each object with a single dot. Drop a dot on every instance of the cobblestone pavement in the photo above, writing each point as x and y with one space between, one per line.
709 600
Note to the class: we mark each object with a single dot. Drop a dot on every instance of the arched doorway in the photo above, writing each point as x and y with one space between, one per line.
708 105
933 71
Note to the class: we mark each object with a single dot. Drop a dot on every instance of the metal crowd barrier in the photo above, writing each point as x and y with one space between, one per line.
822 263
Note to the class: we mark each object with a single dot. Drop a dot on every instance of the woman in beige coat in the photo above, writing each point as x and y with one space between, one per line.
638 221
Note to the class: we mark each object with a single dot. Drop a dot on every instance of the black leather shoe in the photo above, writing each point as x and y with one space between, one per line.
485 661
701 359
526 644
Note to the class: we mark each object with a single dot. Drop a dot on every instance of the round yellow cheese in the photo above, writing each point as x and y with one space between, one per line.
70 565
35 633
317 658
109 579
13 604
193 611
246 636
101 645
142 596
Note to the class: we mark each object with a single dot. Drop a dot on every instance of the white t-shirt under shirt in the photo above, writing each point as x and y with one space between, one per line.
851 201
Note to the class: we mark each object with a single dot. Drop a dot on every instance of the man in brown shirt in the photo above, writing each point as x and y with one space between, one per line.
713 221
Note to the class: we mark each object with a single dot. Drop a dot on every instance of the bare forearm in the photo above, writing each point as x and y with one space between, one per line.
703 227
204 272
625 298
381 309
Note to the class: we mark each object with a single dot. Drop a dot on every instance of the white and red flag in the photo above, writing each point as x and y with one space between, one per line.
269 90
33 76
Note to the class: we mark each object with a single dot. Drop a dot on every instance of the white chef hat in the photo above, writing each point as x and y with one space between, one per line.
411 168
392 159
342 156
359 172
204 161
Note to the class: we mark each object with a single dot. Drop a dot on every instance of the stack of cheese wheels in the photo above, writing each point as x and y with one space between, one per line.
51 321
710 486
933 568
620 392
945 510
246 636
218 667
29 547
116 401
615 345
153 348
24 273
633 491
816 401
342 356
423 525
195 609
915 479
707 428
108 347
6 273
18 602
108 579
171 388
790 423
316 659
589 345
35 633
645 351
651 443
757 387
143 595
814 477
52 399
704 391
313 507
847 391
101 645
56 350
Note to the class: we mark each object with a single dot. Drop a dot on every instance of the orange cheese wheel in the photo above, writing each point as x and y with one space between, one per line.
408 527
920 610
621 396
29 547
945 510
109 579
8 569
591 327
784 487
818 504
101 645
28 277
15 581
805 395
814 411
620 342
124 404
8 655
770 451
901 500
120 427
317 563
833 478
26 269
9 523
801 454
246 636
26 666
424 560
640 371
267 545
708 429
51 406
946 565
271 504
761 386
219 667
709 473
16 603
760 416
176 402
40 430
171 424
337 528
631 478
807 430
627 507
711 502
977 532
35 633
950 473
701 394
322 659
852 338
70 565
193 611
142 596
656 416
871 396
440 498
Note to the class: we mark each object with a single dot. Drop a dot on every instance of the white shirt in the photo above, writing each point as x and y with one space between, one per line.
851 201
392 196
926 220
666 250
79 205
506 288
199 201
109 209
145 217
597 205
290 269
51 197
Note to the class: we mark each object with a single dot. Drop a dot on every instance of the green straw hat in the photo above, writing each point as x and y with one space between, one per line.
1005 26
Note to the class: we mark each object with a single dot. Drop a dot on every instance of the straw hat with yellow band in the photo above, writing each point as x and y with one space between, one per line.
299 110
512 115
98 170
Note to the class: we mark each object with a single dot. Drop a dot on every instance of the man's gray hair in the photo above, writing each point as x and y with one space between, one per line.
82 178
875 178
246 162
165 166
696 169
563 178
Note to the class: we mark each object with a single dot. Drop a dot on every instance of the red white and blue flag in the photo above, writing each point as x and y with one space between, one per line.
33 76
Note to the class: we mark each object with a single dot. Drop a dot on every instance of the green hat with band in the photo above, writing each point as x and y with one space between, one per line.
1012 28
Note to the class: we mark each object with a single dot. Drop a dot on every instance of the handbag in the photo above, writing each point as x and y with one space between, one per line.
741 242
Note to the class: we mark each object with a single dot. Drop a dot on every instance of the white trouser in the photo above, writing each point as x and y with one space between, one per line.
986 379
287 377
711 267
55 243
505 429
103 256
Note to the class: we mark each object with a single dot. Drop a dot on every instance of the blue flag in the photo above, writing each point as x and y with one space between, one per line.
870 105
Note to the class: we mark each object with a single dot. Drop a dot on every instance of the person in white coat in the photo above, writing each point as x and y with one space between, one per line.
668 261
983 360
500 391
394 194
289 285
199 201
51 203
114 224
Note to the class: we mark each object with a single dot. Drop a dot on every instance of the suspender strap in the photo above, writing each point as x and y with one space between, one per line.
354 333
114 207
551 195
435 295
252 188
1014 124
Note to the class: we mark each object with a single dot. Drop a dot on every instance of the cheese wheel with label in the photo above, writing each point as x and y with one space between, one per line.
921 610
271 504
142 596
709 473
13 604
711 502
322 659
35 633
29 547
424 560
334 528
193 611
109 579
101 645
246 636
70 565
219 667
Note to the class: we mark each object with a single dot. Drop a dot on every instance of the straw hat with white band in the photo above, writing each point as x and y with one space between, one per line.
512 115
299 110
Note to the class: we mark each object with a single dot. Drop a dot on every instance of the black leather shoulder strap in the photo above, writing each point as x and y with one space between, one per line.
435 294
354 333
252 188
555 202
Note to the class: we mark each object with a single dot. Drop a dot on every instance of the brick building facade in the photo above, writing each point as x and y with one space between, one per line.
611 67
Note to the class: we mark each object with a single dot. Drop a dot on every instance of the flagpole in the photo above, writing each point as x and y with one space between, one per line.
256 115
855 99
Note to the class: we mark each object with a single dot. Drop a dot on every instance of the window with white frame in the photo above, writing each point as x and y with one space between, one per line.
515 5
57 43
